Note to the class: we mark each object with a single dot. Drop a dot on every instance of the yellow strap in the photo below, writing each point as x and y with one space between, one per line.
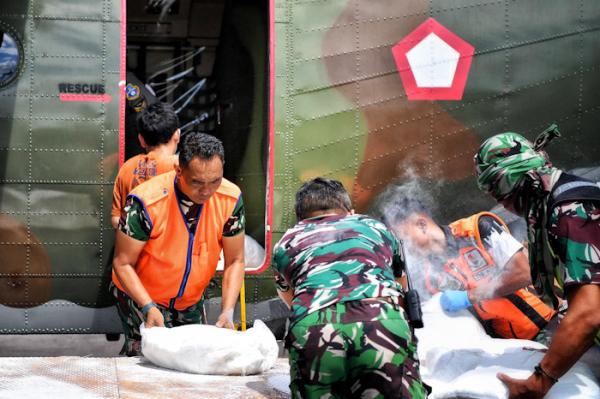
243 305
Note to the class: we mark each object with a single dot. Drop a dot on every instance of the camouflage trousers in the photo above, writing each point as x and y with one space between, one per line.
356 349
132 317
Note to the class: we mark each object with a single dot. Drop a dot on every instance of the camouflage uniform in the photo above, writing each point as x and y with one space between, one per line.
574 238
567 242
342 342
132 317
575 235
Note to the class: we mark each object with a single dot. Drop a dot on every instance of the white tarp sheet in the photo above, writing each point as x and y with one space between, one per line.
459 360
206 349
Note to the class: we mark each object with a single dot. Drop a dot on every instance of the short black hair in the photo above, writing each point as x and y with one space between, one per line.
396 204
201 145
320 194
157 123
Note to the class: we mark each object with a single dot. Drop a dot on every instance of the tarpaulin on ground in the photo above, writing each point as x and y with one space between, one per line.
458 359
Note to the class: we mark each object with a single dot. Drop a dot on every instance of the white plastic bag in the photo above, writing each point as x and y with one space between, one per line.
254 255
206 349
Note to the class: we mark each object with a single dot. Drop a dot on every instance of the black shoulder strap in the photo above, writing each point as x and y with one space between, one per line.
572 188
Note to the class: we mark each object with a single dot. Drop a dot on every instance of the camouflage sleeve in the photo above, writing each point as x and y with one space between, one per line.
279 264
134 221
237 221
575 236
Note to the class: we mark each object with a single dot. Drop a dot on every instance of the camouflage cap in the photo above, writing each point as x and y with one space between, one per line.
503 160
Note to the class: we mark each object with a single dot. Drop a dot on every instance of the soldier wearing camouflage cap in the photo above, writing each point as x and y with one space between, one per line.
348 336
562 212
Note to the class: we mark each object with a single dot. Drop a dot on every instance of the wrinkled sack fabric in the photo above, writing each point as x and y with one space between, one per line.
459 360
206 349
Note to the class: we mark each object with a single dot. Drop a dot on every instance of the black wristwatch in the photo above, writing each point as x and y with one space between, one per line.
147 307
541 372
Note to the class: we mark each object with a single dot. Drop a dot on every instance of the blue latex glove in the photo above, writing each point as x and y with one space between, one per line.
453 301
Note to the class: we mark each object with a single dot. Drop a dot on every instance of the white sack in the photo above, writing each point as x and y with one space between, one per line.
458 359
206 349
254 255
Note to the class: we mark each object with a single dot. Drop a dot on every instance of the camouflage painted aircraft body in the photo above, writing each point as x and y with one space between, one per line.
365 92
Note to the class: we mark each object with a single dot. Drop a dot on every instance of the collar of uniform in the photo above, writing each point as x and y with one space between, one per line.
181 195
323 218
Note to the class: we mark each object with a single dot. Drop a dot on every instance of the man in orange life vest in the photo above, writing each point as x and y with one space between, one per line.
465 261
169 240
158 127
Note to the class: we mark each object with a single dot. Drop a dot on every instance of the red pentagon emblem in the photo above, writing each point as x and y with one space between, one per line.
433 62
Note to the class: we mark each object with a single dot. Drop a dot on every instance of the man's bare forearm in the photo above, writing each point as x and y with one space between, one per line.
132 284
576 332
233 276
569 343
510 283
127 252
516 275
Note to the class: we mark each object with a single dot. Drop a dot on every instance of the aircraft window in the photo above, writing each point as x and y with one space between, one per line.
11 58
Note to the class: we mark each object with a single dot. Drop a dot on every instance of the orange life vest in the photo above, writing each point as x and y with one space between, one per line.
176 265
518 315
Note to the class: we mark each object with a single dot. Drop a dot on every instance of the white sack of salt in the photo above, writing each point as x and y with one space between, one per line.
459 360
206 349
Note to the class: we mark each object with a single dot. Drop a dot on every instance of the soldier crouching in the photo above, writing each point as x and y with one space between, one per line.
348 334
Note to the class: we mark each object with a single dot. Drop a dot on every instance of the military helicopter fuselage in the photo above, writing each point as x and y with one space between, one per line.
365 92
